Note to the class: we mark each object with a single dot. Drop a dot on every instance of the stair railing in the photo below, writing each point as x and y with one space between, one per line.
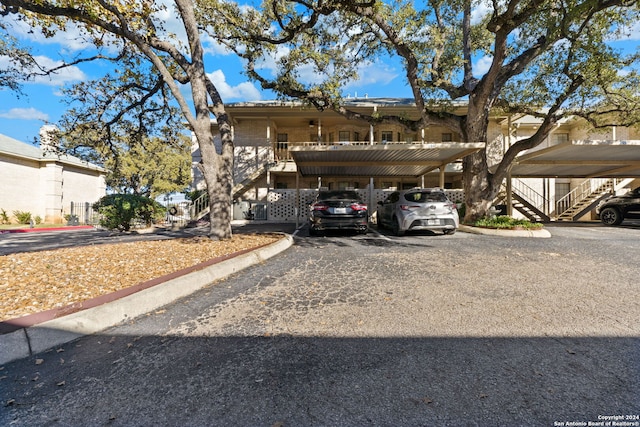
199 206
532 196
581 192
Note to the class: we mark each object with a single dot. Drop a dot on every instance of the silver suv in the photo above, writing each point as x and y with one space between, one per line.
418 209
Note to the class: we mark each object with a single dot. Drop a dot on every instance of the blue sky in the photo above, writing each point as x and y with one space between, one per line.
42 102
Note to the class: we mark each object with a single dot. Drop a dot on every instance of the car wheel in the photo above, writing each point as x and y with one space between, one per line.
449 231
611 216
395 227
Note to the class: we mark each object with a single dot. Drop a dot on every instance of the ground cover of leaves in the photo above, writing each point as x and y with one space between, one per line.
37 281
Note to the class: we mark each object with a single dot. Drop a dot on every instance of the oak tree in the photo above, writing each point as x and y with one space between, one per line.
138 27
547 58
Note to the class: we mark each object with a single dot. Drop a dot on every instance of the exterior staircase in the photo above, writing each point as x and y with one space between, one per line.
528 202
585 197
199 207
240 188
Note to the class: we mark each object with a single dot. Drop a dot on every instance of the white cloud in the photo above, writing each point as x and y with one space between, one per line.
24 114
72 39
482 65
478 13
375 73
213 47
60 77
245 91
631 32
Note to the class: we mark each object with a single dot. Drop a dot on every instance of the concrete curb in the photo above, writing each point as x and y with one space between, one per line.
33 339
541 233
46 229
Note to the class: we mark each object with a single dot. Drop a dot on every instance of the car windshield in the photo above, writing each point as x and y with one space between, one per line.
338 195
425 196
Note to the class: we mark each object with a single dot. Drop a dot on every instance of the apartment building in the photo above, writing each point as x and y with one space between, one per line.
285 151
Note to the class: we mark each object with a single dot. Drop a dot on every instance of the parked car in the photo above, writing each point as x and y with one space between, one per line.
338 210
615 209
418 209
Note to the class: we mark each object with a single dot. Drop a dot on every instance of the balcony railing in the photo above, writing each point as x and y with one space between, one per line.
281 149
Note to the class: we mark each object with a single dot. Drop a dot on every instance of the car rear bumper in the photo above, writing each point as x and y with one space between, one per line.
432 224
319 223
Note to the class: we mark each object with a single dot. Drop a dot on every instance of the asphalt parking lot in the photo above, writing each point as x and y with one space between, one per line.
349 330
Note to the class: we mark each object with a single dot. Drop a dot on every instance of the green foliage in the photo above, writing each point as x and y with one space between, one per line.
18 61
4 218
125 123
507 223
37 219
120 211
23 217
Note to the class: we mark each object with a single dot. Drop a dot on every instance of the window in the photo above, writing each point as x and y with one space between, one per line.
356 136
386 136
559 138
393 197
343 136
425 196
447 137
281 185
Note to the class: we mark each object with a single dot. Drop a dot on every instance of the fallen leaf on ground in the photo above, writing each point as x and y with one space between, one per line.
33 282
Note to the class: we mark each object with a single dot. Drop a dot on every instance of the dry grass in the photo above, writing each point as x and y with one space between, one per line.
38 281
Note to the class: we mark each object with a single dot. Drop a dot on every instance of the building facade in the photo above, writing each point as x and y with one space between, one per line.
44 183
269 135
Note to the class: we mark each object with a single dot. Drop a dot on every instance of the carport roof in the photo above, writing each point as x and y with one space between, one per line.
581 159
378 160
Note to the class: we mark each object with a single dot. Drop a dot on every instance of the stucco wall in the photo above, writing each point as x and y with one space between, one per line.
19 182
45 188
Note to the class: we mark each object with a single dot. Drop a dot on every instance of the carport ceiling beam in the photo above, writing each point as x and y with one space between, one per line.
631 163
430 163
616 171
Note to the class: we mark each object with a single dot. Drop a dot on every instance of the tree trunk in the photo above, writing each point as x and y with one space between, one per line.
479 190
217 171
480 185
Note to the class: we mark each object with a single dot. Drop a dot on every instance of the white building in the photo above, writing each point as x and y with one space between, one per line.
45 183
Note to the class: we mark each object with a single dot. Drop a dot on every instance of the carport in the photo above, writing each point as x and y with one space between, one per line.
587 159
581 159
378 160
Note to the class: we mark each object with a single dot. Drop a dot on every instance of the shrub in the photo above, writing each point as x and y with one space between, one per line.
4 218
37 219
119 211
22 217
507 222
